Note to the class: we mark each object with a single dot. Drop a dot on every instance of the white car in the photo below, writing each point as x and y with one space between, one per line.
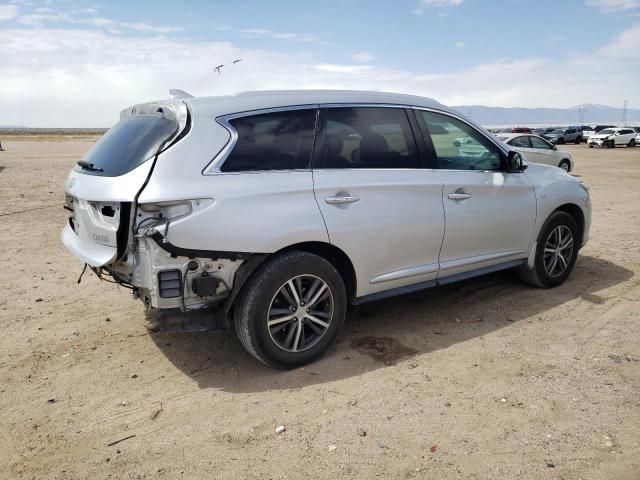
276 210
614 137
538 150
587 132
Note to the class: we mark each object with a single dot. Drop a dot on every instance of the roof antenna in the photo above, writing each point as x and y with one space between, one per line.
218 68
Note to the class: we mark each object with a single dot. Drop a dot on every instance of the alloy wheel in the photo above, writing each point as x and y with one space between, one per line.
558 251
300 313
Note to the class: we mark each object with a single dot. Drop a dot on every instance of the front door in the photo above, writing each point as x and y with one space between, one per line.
489 213
379 205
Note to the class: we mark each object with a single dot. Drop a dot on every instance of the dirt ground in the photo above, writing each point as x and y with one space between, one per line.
484 379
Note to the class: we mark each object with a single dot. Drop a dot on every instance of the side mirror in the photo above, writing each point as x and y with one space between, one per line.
515 162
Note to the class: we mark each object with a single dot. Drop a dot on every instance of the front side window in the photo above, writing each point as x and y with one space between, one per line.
540 143
369 137
459 146
272 141
520 142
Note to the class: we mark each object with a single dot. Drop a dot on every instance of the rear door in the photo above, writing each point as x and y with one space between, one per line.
489 213
380 206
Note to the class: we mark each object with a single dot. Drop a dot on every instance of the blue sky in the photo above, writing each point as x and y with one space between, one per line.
59 57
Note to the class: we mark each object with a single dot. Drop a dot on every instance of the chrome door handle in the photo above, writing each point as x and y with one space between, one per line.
341 199
459 196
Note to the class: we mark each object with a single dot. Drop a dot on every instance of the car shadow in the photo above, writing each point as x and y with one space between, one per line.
393 330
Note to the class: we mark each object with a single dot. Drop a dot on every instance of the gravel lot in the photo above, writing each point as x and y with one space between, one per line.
484 379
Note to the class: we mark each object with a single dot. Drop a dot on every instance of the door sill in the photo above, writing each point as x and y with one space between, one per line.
437 282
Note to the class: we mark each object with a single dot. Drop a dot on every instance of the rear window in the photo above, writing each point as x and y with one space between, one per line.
127 145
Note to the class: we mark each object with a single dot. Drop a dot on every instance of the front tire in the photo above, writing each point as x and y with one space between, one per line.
556 252
291 310
565 165
632 143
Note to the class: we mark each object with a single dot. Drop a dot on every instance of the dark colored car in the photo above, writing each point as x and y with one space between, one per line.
564 135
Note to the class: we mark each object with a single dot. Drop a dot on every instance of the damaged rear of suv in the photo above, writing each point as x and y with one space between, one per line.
121 233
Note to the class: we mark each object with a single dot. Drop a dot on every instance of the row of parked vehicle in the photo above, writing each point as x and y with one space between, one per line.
608 136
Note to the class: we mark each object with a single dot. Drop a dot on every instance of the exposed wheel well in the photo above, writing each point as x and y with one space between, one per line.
576 212
337 257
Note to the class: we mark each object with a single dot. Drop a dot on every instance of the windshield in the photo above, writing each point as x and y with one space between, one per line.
127 145
607 131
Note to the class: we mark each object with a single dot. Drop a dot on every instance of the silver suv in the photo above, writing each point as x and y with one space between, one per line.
278 210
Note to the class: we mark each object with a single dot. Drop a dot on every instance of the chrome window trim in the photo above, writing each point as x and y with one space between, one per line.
213 167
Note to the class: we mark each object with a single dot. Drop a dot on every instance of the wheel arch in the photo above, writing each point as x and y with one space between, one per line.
577 214
329 252
334 255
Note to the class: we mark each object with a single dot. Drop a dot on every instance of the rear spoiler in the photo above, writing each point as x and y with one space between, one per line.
171 109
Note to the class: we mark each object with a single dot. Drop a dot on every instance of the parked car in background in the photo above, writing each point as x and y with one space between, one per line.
637 130
521 130
614 137
564 135
539 131
602 127
538 150
587 131
279 209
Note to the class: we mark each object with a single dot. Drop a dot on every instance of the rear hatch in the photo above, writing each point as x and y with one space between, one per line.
104 185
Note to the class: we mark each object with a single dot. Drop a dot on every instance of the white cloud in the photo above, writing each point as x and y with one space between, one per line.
48 15
613 5
461 44
83 77
148 28
363 57
7 12
263 32
425 4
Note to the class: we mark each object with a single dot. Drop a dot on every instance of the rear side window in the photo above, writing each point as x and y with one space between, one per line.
522 142
272 141
458 146
127 145
369 137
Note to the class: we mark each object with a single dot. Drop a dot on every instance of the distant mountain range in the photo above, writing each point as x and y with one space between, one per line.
587 114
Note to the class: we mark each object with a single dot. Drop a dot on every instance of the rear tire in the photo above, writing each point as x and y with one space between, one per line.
578 140
272 320
632 143
556 252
